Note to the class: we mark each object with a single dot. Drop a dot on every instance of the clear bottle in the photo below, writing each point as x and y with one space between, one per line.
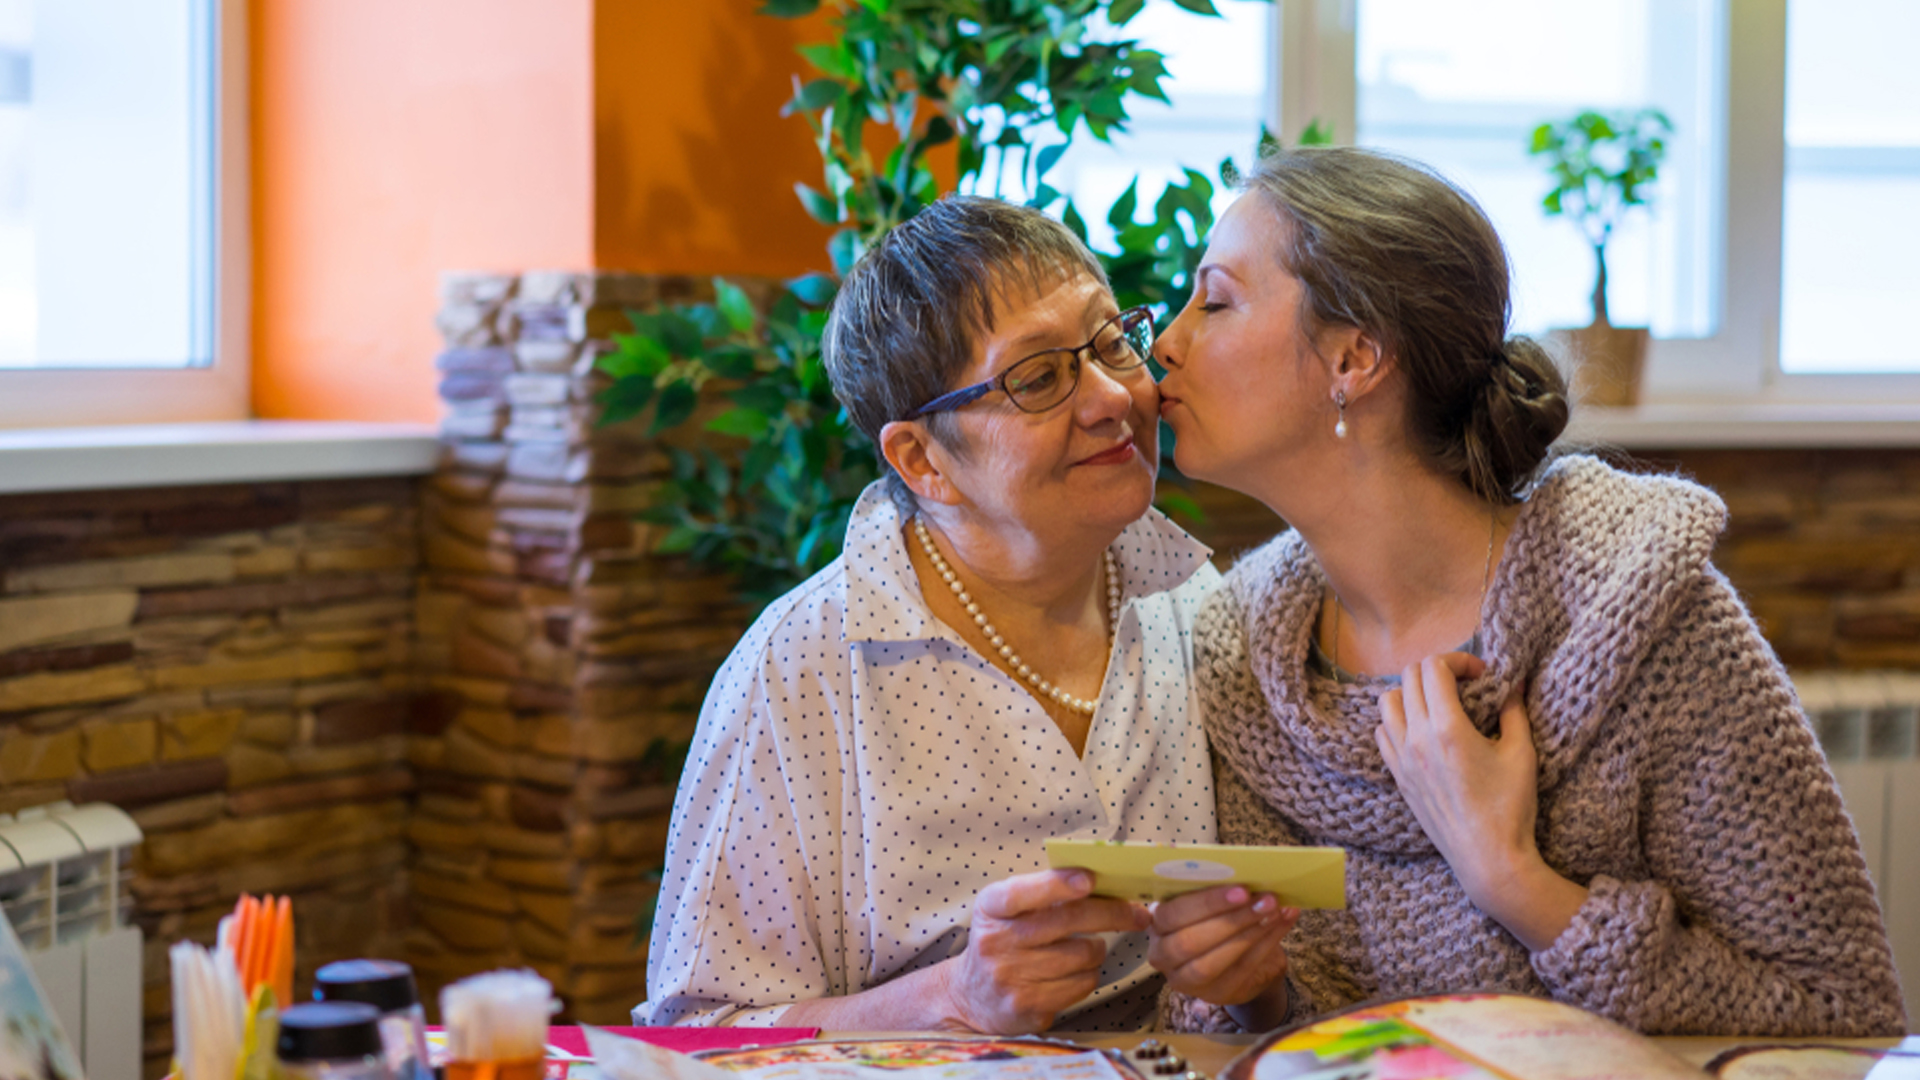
332 1040
388 986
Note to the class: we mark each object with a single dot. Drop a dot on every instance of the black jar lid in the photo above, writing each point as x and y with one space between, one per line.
386 985
329 1031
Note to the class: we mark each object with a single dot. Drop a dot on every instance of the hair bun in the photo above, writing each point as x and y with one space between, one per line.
1515 420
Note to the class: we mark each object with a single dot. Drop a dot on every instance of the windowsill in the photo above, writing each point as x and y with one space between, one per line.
159 455
1747 427
164 455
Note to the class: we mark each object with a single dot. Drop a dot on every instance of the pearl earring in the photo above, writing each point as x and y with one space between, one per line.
1340 426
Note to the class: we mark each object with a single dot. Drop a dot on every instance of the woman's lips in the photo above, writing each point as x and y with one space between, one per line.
1117 456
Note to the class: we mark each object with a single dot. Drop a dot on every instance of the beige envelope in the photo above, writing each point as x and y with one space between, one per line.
1302 877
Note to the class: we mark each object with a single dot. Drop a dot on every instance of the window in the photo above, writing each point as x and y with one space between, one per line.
1217 77
1776 254
116 148
1852 218
1461 84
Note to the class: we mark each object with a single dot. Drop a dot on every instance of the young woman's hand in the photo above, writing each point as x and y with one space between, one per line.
1031 954
1223 946
1477 798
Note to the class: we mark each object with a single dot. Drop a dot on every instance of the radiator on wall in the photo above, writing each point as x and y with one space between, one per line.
1869 726
64 873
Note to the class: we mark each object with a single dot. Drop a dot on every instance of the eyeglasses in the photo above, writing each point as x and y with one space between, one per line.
1045 379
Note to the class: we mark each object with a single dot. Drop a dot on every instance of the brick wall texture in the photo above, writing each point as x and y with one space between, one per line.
442 714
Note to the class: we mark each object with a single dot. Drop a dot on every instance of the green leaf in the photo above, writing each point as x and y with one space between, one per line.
1121 214
1121 12
636 354
732 361
1071 219
845 249
1178 504
744 423
814 96
678 541
832 58
1316 134
680 333
814 290
1199 7
624 399
676 403
1047 158
819 207
789 9
733 304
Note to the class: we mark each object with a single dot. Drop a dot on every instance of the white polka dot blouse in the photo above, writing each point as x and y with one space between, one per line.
860 773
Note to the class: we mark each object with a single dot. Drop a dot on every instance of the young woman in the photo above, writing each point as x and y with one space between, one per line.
1560 755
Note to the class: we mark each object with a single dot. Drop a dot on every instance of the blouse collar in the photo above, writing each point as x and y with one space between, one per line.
883 597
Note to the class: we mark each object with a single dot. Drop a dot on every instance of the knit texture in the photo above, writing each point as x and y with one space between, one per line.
1679 781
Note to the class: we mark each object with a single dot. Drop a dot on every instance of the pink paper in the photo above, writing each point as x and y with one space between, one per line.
685 1040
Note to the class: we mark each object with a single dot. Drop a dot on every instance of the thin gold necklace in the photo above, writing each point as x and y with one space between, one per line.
1486 578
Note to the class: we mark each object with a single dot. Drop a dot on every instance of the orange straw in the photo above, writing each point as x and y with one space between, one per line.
281 969
262 941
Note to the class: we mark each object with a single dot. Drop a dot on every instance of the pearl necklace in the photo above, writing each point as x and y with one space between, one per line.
1012 659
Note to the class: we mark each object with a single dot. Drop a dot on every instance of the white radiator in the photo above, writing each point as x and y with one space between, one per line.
63 885
1869 725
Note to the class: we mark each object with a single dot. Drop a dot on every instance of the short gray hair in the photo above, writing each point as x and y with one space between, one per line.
909 314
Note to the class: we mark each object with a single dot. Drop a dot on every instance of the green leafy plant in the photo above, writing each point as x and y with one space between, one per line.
1009 84
1601 165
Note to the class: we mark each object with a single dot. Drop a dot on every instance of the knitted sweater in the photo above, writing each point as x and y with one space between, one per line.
1679 782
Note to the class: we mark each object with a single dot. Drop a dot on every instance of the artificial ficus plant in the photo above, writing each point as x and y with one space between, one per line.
1010 84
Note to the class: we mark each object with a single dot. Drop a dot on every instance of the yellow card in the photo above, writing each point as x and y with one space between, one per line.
1302 877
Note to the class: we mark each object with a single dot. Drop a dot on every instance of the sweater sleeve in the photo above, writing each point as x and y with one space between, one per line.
1756 915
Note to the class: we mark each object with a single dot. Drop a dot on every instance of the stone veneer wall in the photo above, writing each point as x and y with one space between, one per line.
566 664
1824 545
232 665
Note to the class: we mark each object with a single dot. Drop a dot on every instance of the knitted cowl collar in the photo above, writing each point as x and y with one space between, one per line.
1594 568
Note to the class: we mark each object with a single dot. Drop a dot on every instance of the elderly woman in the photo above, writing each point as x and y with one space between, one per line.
999 656
1559 754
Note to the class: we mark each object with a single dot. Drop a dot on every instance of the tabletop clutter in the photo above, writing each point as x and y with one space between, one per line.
366 1022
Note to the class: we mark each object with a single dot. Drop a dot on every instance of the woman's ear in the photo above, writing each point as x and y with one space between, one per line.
1357 362
919 460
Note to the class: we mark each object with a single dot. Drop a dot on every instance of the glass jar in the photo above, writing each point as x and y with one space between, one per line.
332 1040
388 986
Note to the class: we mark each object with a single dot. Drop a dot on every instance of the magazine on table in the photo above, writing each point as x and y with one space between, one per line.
1513 1037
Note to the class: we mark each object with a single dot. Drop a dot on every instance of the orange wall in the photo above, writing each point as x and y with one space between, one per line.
694 165
395 139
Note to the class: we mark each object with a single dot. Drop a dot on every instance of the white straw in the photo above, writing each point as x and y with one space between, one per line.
498 1016
209 1012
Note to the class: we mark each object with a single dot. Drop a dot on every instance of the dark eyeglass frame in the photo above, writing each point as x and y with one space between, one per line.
1141 321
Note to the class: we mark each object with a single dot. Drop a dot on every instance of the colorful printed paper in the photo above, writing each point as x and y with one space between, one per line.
1461 1037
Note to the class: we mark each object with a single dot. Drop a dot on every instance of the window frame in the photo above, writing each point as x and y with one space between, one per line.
1314 54
71 397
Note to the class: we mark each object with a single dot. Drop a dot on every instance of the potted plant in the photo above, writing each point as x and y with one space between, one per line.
895 80
1601 166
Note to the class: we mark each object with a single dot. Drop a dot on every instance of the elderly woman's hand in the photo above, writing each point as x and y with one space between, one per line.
1029 955
1223 945
1477 798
